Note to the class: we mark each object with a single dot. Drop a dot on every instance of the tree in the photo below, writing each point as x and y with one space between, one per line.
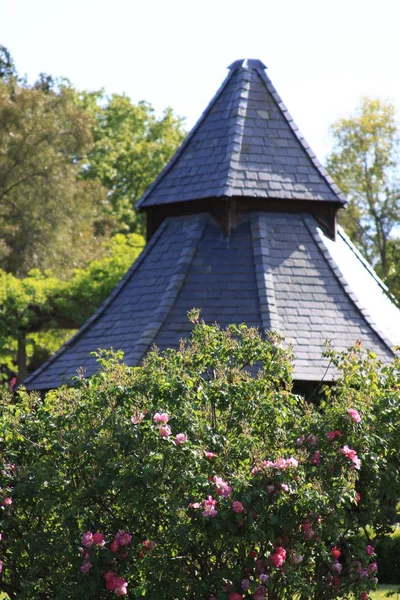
47 216
7 65
200 475
131 147
39 311
365 164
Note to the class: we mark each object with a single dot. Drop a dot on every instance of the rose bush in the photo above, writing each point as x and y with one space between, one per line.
200 475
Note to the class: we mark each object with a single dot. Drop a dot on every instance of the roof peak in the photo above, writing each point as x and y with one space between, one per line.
247 63
245 145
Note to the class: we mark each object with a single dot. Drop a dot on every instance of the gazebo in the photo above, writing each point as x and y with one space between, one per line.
242 224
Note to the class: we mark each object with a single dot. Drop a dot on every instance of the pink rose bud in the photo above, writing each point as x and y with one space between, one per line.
180 439
209 455
237 506
369 550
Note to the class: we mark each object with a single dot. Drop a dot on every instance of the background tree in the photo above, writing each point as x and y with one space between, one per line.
40 311
364 163
72 165
131 147
7 65
48 215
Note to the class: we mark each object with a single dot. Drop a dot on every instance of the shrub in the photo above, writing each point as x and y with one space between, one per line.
199 475
388 553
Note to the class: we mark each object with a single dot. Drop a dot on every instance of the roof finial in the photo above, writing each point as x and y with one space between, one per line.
247 63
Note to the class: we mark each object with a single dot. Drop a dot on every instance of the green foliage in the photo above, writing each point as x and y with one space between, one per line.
94 458
364 163
131 147
47 214
388 553
40 307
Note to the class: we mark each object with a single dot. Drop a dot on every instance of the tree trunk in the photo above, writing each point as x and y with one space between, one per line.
21 359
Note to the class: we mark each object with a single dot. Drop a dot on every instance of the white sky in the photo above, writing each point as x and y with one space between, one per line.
322 55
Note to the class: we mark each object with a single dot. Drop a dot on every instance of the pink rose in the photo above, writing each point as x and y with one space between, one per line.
180 439
87 539
86 566
161 418
372 567
284 487
137 417
98 539
332 434
369 550
276 560
7 501
209 455
165 430
235 596
237 506
355 415
121 588
209 508
364 596
222 488
149 544
114 546
351 455
315 458
123 538
281 551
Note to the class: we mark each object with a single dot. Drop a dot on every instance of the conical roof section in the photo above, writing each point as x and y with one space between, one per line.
245 144
275 271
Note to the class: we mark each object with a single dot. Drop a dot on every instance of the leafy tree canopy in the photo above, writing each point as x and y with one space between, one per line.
33 308
131 147
365 164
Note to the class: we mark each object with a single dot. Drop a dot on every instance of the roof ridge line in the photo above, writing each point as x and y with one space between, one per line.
344 283
305 145
264 277
195 233
366 265
238 127
185 143
117 289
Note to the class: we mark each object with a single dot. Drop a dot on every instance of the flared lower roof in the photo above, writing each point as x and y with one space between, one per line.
275 271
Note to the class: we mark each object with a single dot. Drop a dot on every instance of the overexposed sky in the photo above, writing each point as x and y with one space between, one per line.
322 55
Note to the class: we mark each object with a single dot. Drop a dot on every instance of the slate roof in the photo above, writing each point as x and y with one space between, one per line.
274 271
245 144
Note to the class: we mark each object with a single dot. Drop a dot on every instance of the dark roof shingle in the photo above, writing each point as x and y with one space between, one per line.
245 144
